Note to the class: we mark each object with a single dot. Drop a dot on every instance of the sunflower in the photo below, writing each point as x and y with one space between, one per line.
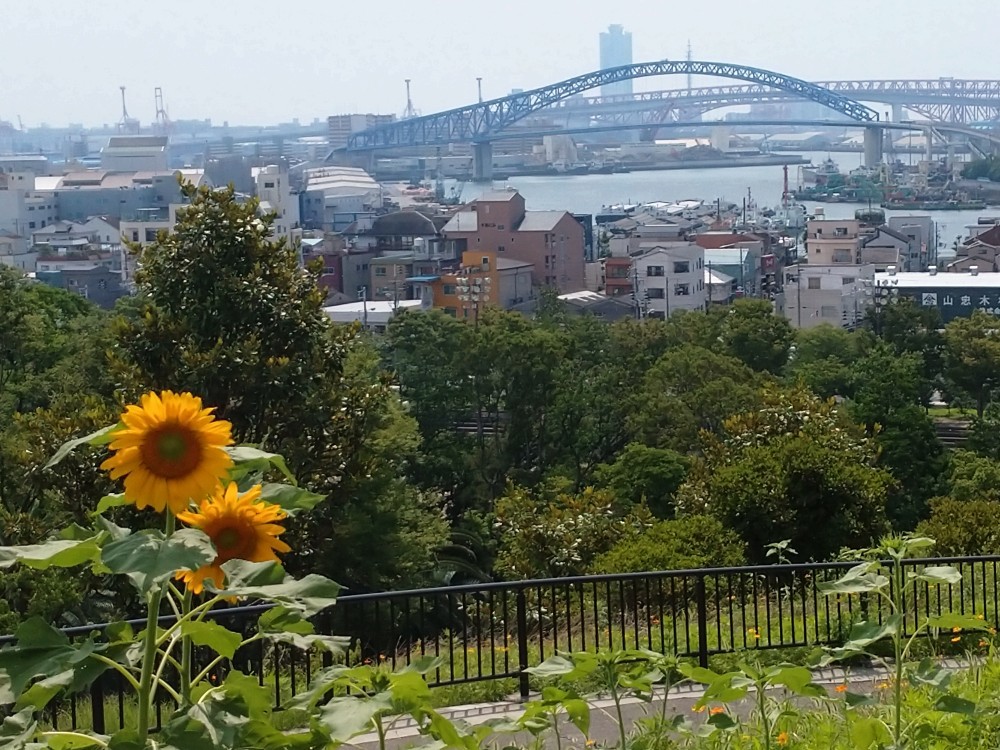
170 451
241 527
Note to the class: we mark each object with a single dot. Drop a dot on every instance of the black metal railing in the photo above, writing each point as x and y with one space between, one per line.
495 631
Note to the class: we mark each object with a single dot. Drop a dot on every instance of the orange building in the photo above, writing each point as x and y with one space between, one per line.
482 280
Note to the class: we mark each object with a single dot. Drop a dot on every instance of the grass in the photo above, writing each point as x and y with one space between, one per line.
943 410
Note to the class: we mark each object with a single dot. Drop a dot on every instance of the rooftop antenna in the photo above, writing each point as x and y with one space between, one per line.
409 111
689 69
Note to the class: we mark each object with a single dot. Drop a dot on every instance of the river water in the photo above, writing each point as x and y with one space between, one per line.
588 193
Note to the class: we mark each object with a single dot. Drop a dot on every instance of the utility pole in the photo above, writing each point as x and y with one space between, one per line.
635 291
363 295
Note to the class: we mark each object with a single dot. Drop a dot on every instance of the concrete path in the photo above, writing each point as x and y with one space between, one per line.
603 726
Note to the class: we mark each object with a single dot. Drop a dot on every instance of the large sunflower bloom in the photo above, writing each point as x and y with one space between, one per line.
170 451
242 527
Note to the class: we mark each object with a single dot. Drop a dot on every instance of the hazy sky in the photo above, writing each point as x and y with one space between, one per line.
263 61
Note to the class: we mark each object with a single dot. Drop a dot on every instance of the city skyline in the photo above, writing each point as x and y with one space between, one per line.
322 60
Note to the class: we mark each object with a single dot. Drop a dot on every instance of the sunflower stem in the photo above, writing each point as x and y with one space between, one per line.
186 653
150 648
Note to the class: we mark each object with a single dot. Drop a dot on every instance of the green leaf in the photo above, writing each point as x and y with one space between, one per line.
284 620
870 732
248 458
39 695
952 704
797 680
149 559
18 730
698 674
347 717
942 574
42 651
292 500
579 714
59 553
308 596
858 580
257 698
931 674
73 741
125 739
856 700
102 437
952 621
110 501
554 666
206 633
722 721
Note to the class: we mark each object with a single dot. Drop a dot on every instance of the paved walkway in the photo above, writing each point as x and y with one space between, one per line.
604 728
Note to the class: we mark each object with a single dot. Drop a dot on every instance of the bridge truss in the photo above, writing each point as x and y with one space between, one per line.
478 122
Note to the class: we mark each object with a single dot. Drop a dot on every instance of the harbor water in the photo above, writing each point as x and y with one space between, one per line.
587 194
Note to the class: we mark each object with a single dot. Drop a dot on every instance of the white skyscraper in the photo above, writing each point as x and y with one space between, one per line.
616 49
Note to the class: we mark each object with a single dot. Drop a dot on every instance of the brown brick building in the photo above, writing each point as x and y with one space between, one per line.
551 241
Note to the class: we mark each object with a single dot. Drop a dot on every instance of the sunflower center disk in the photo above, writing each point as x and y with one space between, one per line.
171 452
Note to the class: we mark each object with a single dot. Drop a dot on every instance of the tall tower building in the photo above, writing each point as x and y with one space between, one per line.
616 49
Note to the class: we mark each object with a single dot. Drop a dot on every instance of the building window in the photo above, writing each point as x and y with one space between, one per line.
654 293
813 283
135 235
682 290
829 311
268 185
450 311
150 235
31 225
448 289
840 232
486 262
682 266
843 256
654 270
379 270
847 280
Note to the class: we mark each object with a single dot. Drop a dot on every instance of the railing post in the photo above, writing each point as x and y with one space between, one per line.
97 705
701 602
522 642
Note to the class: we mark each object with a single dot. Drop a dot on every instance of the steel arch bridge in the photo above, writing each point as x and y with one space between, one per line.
478 122
942 100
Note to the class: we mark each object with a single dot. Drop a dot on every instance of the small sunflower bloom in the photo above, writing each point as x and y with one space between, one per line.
841 688
783 738
241 527
170 451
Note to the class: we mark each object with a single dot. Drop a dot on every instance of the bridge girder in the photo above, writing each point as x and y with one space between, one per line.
477 122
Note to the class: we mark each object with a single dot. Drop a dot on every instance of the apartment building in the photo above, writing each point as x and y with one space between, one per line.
835 294
833 241
669 279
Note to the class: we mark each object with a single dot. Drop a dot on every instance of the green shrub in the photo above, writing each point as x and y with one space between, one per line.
687 542
963 527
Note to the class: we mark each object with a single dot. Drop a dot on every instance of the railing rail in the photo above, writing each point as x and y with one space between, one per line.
497 630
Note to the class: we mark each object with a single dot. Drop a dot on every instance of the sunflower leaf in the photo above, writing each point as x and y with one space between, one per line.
290 499
59 553
307 596
102 437
110 501
148 558
206 633
248 458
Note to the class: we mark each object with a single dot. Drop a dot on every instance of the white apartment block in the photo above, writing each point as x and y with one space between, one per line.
671 278
274 190
834 294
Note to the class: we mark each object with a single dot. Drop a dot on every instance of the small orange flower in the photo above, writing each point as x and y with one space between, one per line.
983 644
783 738
956 630
717 710
956 639
841 688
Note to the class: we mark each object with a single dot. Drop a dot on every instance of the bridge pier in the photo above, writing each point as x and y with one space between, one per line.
897 112
873 147
482 162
